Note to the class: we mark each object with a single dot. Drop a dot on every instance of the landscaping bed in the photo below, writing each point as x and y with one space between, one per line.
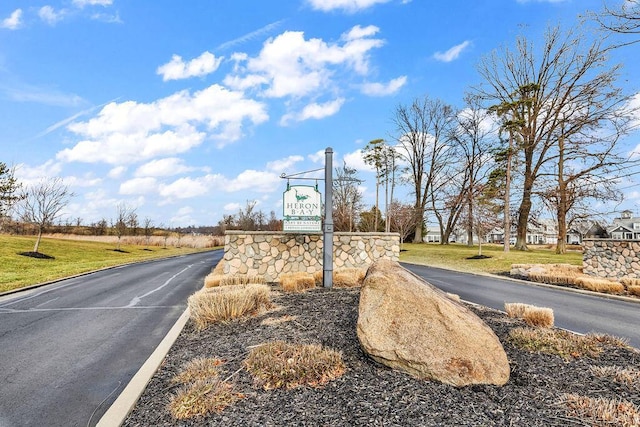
540 391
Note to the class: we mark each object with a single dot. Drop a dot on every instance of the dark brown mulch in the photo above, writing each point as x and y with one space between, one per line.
38 255
369 394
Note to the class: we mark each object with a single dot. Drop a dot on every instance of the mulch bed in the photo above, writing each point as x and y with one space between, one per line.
369 394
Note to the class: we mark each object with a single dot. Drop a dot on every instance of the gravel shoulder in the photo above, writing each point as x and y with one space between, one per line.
369 394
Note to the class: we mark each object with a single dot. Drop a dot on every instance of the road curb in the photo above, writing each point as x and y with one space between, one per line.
125 402
538 284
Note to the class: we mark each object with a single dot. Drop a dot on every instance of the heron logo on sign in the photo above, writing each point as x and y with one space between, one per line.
302 208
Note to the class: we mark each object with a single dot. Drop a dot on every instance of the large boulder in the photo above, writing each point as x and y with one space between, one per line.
408 324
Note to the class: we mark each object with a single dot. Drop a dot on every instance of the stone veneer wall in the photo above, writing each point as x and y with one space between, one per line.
611 258
270 254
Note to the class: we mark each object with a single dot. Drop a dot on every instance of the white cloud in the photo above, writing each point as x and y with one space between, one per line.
163 167
350 6
138 186
381 89
28 175
14 21
42 95
259 181
183 216
129 132
232 207
186 188
355 160
86 180
453 53
290 65
49 15
117 172
177 69
83 3
284 164
314 111
317 157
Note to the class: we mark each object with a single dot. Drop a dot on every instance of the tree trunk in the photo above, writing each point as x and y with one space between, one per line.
561 209
37 245
417 237
470 220
507 197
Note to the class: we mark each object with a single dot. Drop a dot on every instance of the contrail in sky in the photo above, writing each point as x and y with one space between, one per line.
250 36
68 120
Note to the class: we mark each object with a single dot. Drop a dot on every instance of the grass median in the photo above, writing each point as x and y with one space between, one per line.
68 257
460 257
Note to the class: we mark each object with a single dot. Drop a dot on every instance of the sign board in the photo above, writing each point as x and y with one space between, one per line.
302 209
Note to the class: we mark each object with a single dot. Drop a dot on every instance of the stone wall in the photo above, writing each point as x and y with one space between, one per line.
271 254
611 258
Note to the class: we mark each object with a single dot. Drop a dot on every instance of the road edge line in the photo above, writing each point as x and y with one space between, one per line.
123 405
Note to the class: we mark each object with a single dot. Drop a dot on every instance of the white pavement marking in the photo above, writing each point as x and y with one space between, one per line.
135 300
42 310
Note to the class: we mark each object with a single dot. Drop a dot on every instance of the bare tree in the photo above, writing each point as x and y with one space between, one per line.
569 79
402 219
423 129
43 203
624 20
148 230
123 215
472 134
347 199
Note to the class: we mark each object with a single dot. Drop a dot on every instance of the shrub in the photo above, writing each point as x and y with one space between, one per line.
225 303
201 368
202 398
281 365
562 343
602 411
599 285
297 282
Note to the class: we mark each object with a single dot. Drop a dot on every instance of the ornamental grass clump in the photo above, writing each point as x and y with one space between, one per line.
629 377
599 285
201 368
602 411
224 303
344 277
563 343
532 315
634 290
297 282
202 397
279 364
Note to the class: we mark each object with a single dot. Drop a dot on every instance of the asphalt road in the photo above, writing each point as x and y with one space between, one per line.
574 311
68 349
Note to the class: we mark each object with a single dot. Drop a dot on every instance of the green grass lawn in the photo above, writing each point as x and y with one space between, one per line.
454 256
70 257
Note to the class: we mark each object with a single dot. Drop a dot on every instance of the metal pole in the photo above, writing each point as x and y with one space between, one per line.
327 236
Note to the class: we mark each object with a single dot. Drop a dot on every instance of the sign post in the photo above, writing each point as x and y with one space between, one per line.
327 236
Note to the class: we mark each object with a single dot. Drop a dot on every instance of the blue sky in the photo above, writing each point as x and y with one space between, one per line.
186 110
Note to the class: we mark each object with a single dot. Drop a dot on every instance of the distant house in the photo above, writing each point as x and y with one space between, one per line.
627 227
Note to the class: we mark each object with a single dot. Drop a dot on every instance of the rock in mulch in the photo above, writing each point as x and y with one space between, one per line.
408 324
